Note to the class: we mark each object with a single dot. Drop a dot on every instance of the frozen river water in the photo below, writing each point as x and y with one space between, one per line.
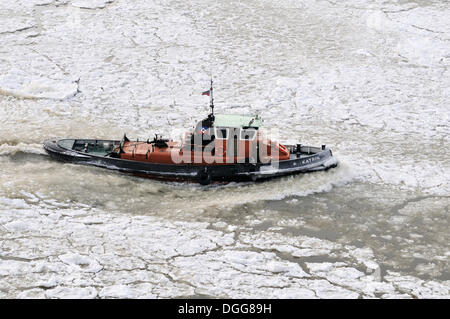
370 79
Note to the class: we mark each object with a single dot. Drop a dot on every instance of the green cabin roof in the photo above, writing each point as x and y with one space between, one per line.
237 120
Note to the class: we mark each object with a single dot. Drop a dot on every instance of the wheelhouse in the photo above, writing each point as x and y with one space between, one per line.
225 126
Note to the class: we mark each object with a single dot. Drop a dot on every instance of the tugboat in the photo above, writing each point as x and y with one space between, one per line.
222 148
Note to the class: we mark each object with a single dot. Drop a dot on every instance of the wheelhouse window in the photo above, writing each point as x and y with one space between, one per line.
221 133
248 134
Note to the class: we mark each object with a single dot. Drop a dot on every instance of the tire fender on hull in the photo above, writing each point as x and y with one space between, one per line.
204 177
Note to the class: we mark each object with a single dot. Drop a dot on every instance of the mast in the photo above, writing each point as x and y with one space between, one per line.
212 98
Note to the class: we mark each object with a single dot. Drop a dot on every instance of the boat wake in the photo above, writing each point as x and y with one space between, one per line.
301 185
12 148
194 198
120 192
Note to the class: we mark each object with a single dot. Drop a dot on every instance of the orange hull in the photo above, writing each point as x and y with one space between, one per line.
175 153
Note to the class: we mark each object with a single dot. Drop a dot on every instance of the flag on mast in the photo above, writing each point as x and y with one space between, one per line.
207 93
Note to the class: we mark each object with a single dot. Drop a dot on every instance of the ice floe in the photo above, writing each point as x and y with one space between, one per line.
119 251
84 263
91 4
36 87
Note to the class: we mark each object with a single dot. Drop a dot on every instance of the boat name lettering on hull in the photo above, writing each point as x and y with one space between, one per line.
309 160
